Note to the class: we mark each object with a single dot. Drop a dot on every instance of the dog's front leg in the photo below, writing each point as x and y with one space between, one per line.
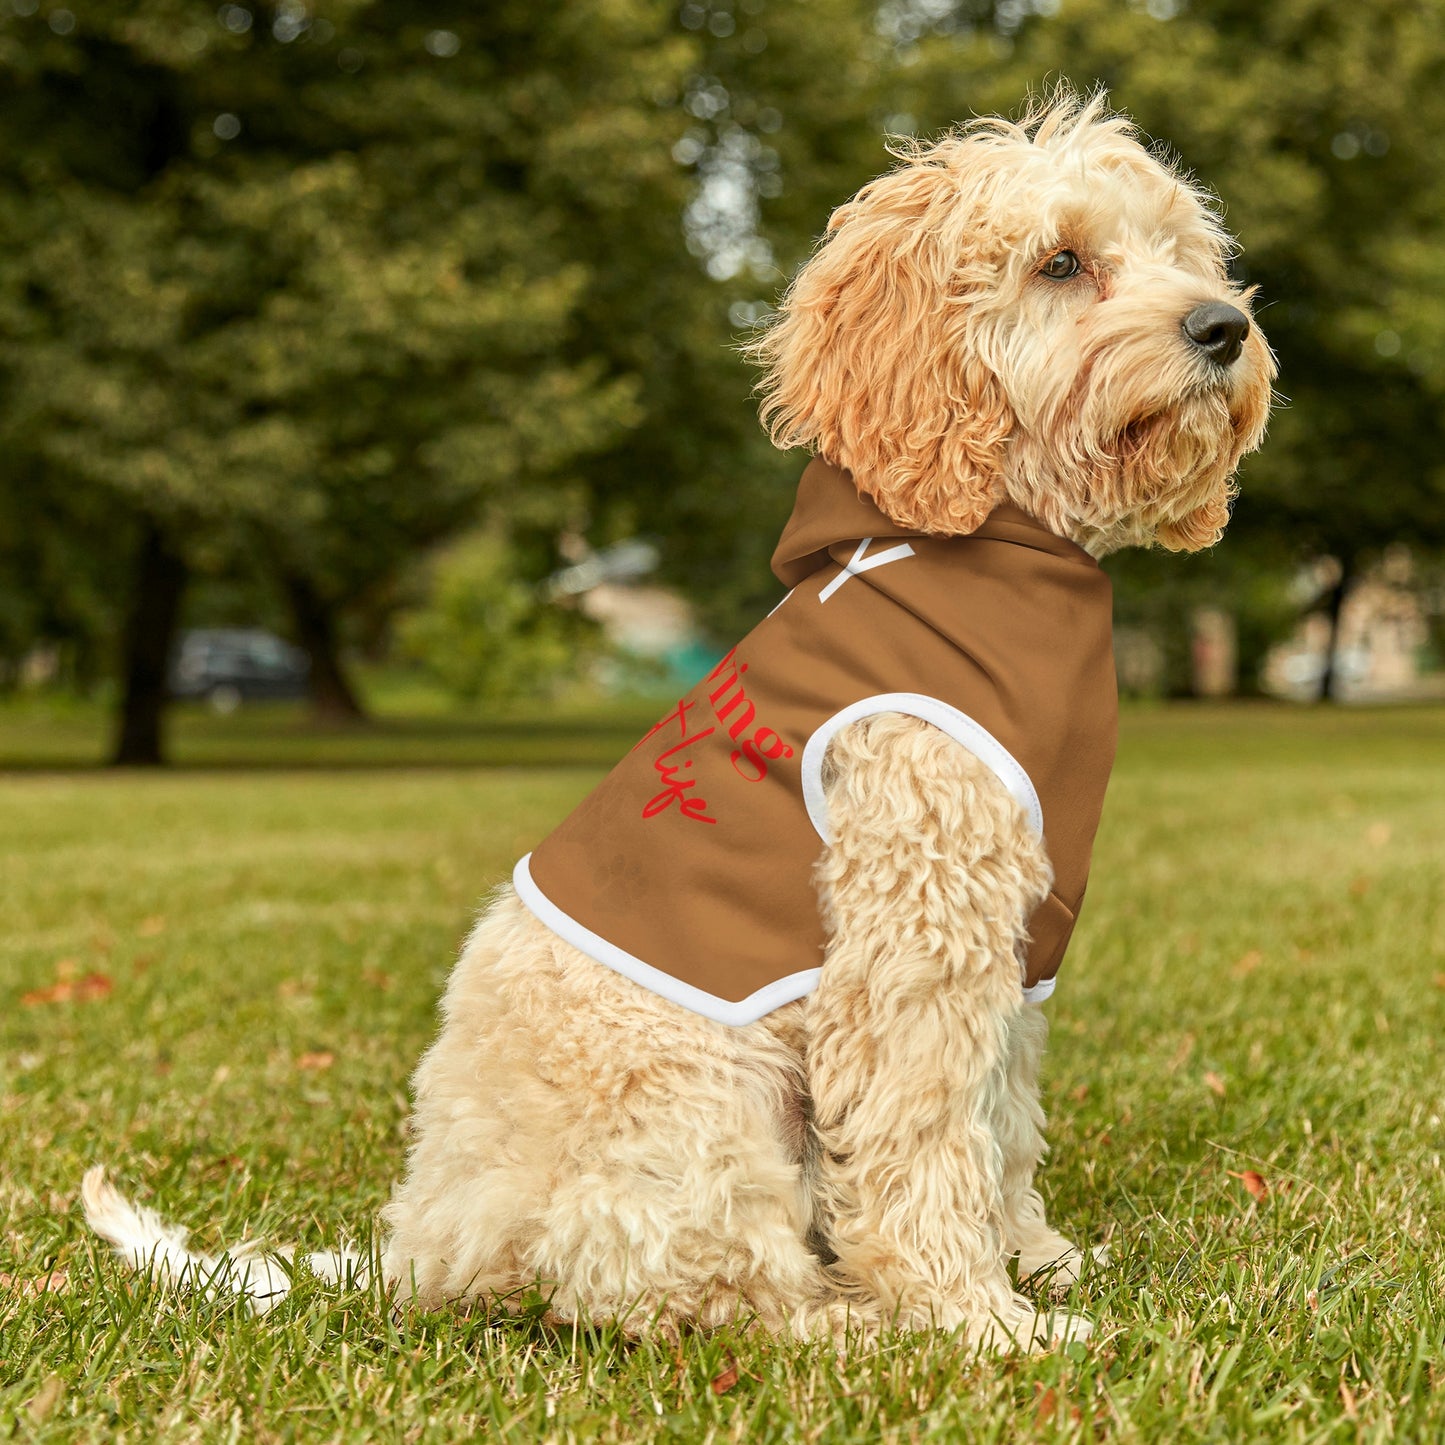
926 887
1042 1251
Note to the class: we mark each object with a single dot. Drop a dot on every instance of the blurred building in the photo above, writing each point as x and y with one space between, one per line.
1382 648
653 631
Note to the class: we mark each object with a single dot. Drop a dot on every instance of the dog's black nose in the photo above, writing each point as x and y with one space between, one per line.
1218 331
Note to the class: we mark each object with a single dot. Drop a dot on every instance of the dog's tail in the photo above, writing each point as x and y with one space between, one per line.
147 1243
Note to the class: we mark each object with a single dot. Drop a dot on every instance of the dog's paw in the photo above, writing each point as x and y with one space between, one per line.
1023 1326
1057 1267
1061 1327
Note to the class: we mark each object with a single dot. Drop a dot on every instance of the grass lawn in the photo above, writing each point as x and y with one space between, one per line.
216 980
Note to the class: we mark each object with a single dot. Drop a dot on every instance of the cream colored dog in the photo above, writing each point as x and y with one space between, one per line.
1035 312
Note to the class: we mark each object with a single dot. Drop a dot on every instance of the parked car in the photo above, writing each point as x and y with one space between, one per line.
230 665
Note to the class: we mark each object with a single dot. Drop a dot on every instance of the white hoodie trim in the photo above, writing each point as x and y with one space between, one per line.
946 718
720 1010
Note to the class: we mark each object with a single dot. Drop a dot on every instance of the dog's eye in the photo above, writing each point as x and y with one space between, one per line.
1060 266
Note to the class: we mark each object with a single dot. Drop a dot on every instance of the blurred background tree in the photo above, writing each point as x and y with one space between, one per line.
308 290
484 633
292 294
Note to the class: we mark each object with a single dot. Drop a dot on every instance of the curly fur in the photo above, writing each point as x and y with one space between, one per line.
867 1156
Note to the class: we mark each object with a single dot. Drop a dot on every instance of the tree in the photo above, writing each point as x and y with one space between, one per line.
777 117
301 287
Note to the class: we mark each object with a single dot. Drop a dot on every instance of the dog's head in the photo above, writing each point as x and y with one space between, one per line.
1036 311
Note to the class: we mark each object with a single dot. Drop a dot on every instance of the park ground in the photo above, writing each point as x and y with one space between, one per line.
216 980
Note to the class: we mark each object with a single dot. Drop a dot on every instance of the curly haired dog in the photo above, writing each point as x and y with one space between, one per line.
1034 315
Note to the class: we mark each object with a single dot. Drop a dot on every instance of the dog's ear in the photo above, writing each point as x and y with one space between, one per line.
874 362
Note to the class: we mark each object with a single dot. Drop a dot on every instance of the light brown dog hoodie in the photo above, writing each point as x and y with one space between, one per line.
689 868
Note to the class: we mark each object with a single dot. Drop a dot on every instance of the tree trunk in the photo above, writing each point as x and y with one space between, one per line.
1329 678
333 699
150 630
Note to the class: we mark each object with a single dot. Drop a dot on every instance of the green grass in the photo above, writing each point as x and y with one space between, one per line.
409 729
1258 984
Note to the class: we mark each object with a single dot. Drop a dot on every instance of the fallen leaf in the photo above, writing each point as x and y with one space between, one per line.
377 978
320 1059
82 990
1080 1094
56 993
1214 1083
724 1382
1248 963
56 1282
1359 886
1440 980
1254 1182
1046 1408
1181 1054
151 927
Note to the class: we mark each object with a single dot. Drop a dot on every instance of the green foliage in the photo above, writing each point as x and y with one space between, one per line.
309 286
779 119
485 633
313 287
62 553
317 286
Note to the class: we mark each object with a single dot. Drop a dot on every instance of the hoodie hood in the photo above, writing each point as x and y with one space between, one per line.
831 515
